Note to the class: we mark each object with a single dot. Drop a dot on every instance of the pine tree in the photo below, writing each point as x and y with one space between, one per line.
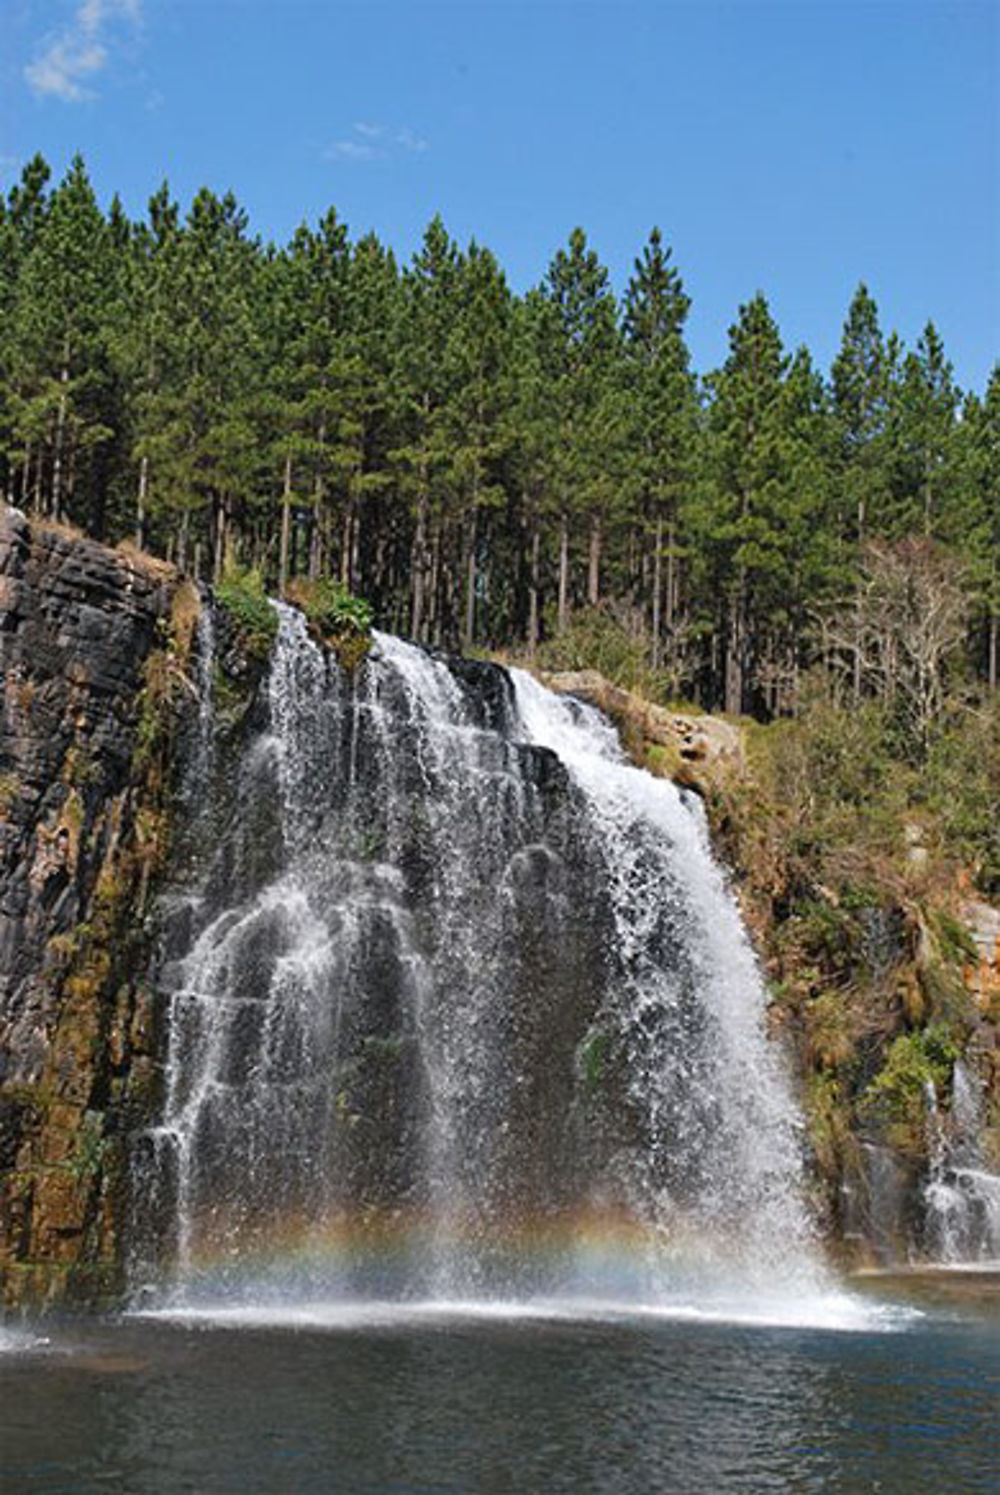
583 393
862 381
663 426
531 440
59 327
207 436
427 378
979 437
924 406
144 346
480 356
380 545
744 488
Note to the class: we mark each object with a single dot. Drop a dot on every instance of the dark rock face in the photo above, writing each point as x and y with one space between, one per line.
79 840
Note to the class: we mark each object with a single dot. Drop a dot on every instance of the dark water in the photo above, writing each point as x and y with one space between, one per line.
462 1406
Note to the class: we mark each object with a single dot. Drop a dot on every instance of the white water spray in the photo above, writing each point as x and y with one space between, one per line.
466 1014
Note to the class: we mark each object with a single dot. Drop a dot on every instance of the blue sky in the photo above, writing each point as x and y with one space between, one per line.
790 146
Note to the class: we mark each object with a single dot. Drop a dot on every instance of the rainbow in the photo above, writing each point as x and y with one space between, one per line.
396 1256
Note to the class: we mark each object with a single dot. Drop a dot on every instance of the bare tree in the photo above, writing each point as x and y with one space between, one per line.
903 628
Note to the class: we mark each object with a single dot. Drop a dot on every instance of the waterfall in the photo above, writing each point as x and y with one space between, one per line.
961 1197
460 1008
720 1134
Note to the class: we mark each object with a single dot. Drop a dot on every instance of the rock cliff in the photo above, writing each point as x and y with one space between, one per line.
82 632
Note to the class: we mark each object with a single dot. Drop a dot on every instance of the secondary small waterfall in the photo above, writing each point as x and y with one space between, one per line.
962 1197
460 1007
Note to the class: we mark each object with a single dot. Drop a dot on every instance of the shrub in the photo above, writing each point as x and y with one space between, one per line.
612 639
918 1066
241 593
336 617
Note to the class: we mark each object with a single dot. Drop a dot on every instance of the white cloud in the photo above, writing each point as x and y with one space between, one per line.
410 142
352 150
371 142
73 56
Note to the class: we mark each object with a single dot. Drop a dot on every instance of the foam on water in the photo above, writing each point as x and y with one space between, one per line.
836 1312
19 1341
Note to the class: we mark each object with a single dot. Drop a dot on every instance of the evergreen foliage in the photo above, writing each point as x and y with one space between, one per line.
483 466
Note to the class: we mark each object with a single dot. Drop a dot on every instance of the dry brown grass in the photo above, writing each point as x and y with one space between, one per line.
185 610
60 527
141 560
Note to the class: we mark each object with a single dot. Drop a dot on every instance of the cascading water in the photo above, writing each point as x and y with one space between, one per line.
962 1198
720 1134
460 1009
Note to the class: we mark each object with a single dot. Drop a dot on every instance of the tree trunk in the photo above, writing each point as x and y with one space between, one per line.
69 489
39 476
346 541
182 539
469 628
563 576
655 652
594 562
993 650
533 595
286 528
673 575
417 563
355 565
734 656
220 541
434 589
319 493
57 452
140 503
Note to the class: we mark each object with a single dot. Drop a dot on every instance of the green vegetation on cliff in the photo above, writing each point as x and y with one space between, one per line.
336 617
859 856
241 593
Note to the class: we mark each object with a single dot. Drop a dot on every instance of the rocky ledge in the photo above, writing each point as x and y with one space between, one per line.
696 751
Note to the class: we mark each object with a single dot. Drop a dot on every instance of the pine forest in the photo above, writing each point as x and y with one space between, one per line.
500 471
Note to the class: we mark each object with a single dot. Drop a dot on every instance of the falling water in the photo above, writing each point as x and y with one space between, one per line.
460 1007
720 1135
962 1198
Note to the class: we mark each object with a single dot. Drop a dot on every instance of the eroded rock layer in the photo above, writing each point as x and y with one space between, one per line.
81 631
